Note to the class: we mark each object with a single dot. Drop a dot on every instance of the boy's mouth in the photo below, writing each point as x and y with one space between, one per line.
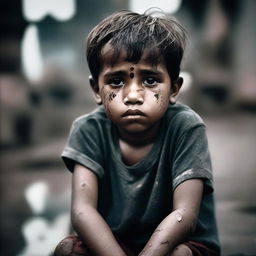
133 112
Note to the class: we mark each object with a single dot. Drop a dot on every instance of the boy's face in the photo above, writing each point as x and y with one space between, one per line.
135 95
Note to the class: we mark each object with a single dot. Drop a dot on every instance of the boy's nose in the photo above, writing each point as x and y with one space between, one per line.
134 94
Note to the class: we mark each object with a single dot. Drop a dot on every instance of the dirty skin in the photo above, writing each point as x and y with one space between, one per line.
108 96
157 94
83 185
150 245
165 243
111 96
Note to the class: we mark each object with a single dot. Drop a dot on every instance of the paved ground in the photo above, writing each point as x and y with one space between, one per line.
232 140
35 190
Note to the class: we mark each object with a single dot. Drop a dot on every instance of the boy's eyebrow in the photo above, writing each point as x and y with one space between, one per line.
115 73
144 72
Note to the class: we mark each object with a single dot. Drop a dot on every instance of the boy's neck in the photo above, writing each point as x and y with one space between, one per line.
139 139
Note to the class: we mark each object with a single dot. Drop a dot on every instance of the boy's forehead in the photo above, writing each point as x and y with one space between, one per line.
110 57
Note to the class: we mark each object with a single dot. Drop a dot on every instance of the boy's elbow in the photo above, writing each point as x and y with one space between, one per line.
80 214
76 216
193 224
189 217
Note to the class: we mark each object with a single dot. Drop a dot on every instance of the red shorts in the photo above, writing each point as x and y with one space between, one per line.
199 249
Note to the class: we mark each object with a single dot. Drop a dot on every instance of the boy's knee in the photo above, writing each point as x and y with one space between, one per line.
182 250
70 246
65 247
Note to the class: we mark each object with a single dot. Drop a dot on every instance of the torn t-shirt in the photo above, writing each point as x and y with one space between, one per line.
133 200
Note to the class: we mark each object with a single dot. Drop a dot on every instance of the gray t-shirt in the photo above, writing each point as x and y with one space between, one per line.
135 199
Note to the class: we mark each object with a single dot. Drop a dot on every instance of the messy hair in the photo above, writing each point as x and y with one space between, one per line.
133 33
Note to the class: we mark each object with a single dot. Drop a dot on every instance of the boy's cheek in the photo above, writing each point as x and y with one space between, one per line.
156 96
156 93
110 96
107 95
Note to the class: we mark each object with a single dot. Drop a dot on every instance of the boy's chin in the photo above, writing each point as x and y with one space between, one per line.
134 128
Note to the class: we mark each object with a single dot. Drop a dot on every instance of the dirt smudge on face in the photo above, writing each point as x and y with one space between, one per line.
157 96
111 96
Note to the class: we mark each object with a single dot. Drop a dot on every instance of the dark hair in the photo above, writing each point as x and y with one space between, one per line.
124 30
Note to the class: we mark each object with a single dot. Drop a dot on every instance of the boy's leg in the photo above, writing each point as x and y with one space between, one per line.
192 248
71 246
182 250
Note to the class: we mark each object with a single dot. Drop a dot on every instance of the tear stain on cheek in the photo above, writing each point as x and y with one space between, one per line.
111 96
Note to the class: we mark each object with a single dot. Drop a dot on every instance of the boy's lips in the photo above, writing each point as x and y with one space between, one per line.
133 112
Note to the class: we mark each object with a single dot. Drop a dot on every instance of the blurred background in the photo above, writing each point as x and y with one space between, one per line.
44 86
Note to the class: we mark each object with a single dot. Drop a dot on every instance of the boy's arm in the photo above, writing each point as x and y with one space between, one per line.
179 223
86 220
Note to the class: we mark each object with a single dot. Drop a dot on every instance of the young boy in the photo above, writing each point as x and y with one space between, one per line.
142 179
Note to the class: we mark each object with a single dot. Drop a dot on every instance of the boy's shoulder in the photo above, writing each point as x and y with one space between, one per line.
183 116
97 115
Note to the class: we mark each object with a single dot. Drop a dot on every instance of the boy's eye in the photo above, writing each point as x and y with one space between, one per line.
116 82
150 81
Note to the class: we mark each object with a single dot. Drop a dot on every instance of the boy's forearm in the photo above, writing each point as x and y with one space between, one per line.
95 233
170 232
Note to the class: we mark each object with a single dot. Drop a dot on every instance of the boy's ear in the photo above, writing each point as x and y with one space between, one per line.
175 88
95 87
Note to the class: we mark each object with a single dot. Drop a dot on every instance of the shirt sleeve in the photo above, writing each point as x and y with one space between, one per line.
192 158
84 147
